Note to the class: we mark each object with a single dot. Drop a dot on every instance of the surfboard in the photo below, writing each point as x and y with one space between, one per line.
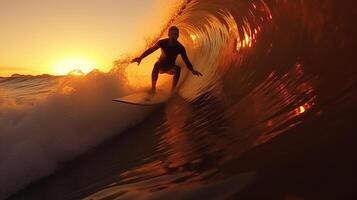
144 98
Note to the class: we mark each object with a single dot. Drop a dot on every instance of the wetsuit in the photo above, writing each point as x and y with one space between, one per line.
169 54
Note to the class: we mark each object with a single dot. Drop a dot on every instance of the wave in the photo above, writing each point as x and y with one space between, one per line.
270 67
47 121
269 62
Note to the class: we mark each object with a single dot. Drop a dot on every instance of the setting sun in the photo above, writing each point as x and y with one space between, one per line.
75 64
57 37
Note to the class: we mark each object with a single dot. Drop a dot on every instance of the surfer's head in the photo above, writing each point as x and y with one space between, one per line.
173 33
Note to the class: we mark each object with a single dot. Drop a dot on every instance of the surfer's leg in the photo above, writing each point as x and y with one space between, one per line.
154 77
176 72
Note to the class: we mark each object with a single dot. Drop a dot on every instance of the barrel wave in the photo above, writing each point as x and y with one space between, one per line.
272 115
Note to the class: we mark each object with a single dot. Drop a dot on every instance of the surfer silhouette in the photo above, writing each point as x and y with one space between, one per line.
170 49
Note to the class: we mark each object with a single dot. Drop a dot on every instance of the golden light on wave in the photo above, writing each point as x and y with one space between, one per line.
301 109
249 38
194 37
75 66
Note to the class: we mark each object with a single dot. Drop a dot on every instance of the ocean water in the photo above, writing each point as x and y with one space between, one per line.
272 117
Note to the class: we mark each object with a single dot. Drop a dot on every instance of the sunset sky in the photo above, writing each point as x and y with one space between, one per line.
52 36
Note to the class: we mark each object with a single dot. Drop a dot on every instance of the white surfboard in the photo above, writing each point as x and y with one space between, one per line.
144 98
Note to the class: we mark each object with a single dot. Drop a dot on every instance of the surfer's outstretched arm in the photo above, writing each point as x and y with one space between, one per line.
189 64
146 53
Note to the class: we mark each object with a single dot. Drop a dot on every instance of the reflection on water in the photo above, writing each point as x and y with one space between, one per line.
192 145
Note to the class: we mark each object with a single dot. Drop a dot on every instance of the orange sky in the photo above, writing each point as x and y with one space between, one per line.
50 36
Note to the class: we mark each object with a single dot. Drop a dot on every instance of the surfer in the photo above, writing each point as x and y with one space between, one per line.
170 48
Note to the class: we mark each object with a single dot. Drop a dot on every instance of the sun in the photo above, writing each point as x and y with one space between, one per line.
77 65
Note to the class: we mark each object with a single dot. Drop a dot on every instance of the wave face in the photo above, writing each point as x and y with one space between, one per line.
278 92
269 65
